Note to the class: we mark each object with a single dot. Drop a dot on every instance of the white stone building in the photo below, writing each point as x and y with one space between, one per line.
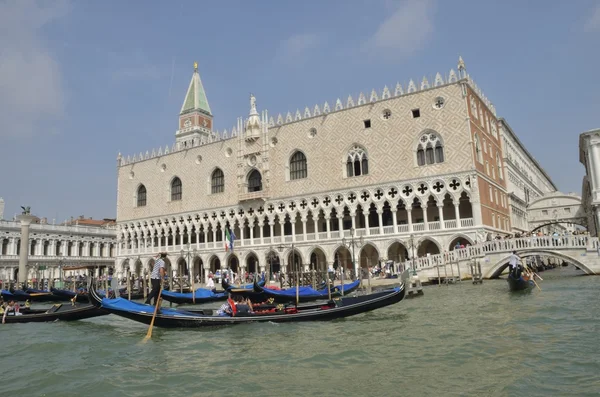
589 156
417 168
526 179
53 246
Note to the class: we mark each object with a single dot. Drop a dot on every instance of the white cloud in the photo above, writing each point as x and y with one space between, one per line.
295 47
593 24
406 30
31 89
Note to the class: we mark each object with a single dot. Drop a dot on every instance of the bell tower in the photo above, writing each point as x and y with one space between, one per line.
195 117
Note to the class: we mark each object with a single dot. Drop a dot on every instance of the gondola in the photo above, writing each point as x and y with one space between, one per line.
227 287
43 296
175 318
61 311
64 294
306 294
202 295
519 284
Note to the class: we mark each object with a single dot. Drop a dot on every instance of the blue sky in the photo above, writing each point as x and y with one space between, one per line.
82 81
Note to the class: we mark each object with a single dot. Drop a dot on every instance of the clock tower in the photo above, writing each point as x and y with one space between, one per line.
195 118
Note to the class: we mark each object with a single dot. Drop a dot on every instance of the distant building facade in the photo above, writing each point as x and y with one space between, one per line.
589 156
527 181
80 241
417 169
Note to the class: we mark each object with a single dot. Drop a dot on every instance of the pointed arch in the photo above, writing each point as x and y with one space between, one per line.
357 161
217 181
430 148
176 189
499 165
254 181
297 166
478 154
140 197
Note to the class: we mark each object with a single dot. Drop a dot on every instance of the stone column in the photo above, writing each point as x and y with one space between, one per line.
242 227
441 215
457 213
395 221
261 225
328 223
316 226
251 226
425 220
380 216
271 230
409 217
24 256
367 231
304 219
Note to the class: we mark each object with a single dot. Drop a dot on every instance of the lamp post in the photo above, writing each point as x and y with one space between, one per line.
60 266
270 258
280 248
350 245
412 247
187 253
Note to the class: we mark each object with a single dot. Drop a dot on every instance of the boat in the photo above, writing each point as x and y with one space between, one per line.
201 295
519 284
176 318
60 311
42 296
63 294
227 287
306 294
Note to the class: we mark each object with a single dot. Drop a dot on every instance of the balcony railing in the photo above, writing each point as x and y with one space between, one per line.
374 232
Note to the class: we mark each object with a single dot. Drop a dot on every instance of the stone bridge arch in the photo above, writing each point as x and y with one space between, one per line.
556 208
501 264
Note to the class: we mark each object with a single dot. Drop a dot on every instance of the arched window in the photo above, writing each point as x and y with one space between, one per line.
217 181
478 154
357 162
254 181
176 189
499 165
430 149
141 196
298 166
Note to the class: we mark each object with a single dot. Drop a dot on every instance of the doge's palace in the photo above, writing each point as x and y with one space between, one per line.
388 175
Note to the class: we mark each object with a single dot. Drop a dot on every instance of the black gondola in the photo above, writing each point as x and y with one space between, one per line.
519 284
63 294
62 312
174 318
306 294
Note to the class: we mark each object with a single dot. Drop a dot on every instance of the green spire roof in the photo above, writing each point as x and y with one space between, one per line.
195 99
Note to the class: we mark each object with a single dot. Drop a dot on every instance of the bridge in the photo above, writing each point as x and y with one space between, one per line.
579 250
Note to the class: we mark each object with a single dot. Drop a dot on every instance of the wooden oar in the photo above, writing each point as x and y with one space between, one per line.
149 334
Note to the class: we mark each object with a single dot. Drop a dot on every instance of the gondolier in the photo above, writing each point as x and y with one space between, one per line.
513 262
156 277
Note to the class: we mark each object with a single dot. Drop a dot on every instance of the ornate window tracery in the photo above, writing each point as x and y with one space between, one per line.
430 149
357 162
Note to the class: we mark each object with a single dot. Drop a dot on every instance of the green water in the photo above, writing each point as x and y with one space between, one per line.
456 340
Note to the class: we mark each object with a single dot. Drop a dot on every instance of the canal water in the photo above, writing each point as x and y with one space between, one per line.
475 340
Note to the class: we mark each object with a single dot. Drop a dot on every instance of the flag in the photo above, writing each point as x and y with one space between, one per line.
229 239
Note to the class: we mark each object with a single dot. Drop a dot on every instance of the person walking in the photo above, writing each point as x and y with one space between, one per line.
156 277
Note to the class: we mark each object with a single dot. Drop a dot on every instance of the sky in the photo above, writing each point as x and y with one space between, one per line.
81 81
